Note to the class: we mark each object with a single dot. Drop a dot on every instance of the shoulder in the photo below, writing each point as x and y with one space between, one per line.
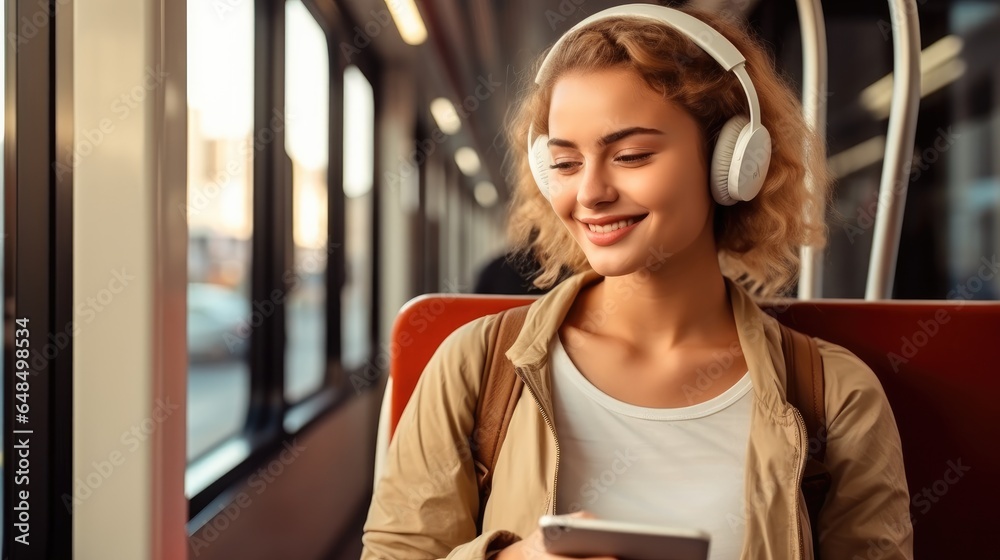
464 349
850 385
474 335
843 363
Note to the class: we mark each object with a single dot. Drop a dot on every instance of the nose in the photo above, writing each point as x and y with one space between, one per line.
595 188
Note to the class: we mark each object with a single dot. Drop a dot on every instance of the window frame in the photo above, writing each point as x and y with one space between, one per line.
38 267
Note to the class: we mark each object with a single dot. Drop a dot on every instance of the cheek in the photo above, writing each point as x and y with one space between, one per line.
684 195
696 198
688 190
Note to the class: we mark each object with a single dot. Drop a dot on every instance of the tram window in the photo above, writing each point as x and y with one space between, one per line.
359 165
307 101
220 220
958 151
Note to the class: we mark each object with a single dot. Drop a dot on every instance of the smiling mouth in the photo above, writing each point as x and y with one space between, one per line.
608 228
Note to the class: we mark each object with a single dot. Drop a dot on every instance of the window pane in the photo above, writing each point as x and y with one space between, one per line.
965 150
307 133
359 165
220 219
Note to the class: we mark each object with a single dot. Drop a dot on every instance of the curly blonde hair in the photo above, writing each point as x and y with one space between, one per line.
758 241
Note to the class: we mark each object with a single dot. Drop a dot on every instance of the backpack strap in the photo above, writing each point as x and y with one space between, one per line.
804 379
804 373
498 395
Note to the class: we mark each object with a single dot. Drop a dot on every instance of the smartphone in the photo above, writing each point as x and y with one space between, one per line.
582 537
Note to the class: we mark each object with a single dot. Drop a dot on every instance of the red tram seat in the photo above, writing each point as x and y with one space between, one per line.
422 325
936 360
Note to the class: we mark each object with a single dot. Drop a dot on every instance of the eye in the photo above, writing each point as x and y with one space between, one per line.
633 158
564 165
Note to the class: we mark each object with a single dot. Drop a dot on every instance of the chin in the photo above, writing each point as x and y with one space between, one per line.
611 267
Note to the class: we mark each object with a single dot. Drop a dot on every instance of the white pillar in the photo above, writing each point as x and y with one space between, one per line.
130 243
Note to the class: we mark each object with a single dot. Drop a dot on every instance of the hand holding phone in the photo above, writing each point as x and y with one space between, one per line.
533 547
581 537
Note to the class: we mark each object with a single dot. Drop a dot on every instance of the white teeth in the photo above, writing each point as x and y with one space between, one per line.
611 227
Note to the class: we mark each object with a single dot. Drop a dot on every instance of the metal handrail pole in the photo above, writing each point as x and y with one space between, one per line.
899 148
814 107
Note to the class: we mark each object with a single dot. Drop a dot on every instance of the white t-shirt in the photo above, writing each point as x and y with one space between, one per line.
676 467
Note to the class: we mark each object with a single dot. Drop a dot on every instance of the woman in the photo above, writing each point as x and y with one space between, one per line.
656 387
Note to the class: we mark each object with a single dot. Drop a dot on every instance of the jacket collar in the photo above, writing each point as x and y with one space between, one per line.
758 332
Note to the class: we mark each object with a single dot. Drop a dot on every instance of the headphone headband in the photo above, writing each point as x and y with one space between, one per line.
706 37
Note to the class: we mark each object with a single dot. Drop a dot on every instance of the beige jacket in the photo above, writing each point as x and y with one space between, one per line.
426 500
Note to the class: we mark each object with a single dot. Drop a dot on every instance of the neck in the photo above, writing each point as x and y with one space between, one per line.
679 300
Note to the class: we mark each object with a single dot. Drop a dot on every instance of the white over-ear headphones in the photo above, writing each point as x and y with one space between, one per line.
743 150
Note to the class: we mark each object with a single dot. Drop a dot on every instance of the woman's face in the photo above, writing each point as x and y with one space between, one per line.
630 180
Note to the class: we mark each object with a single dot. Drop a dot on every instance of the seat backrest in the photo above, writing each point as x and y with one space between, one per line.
935 360
422 325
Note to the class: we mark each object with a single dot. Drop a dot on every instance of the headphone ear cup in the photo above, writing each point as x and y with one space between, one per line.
540 161
722 160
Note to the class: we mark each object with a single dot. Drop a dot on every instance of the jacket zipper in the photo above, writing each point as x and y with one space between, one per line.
799 473
552 428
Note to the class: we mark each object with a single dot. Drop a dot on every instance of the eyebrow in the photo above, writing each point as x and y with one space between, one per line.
607 139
